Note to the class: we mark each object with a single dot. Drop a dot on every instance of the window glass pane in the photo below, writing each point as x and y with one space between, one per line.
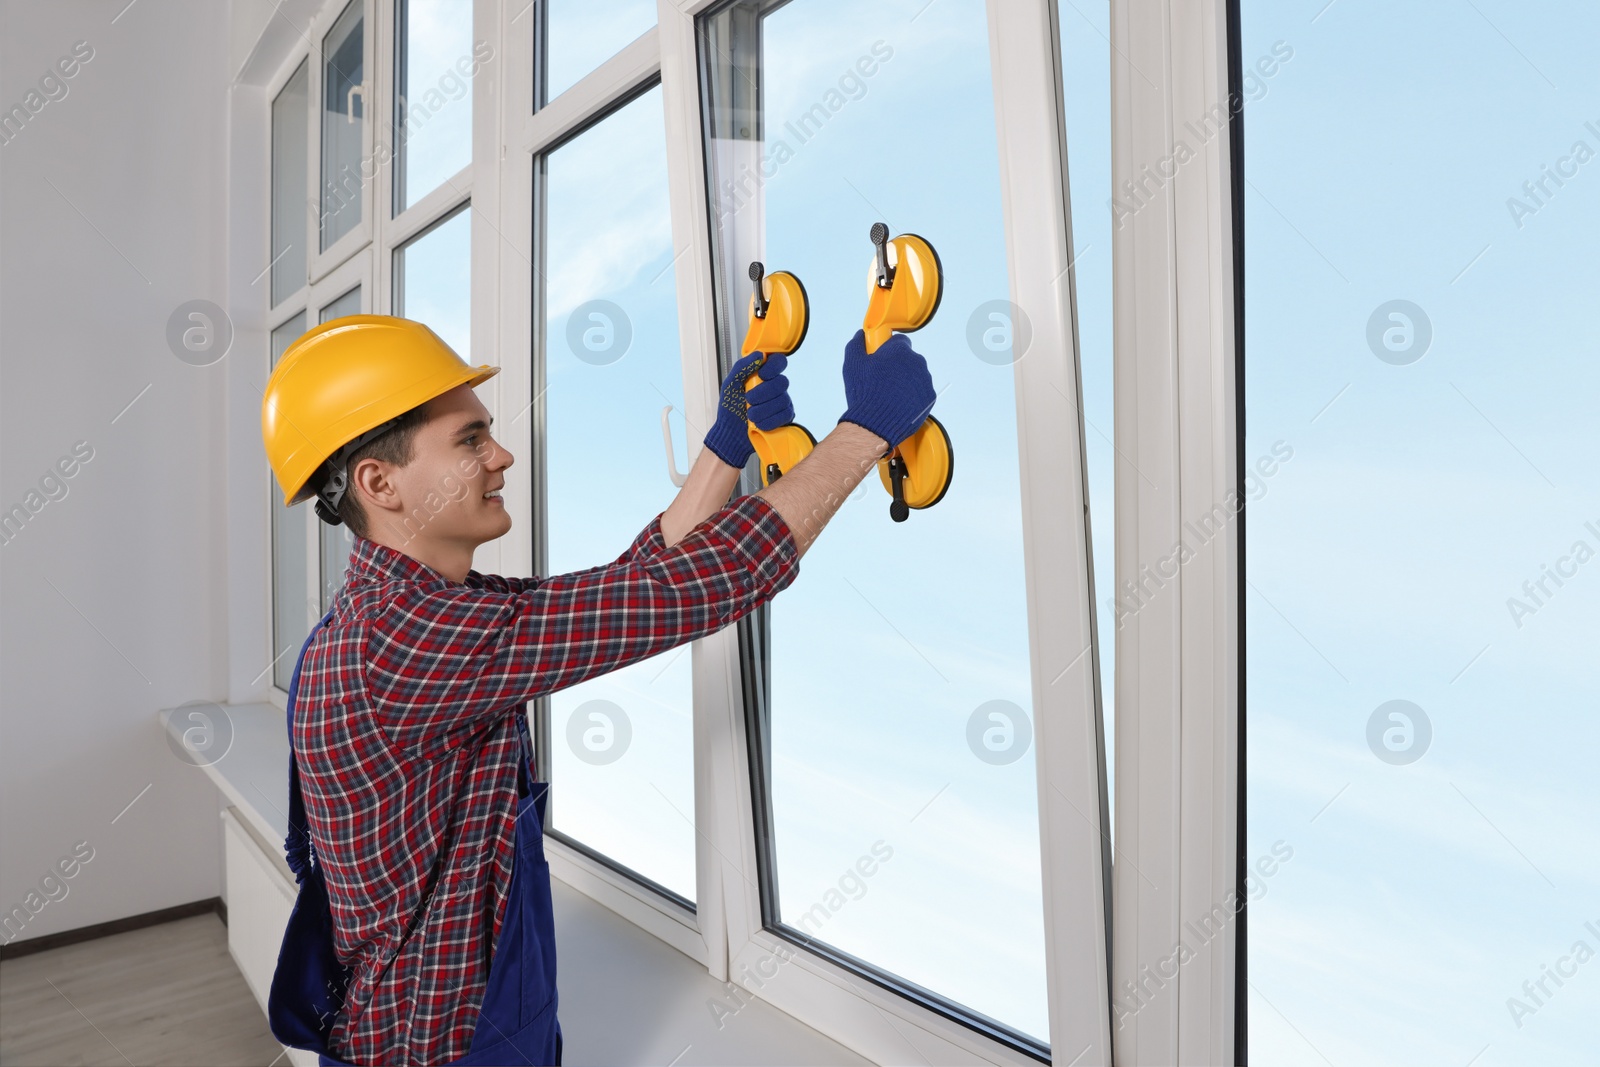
343 112
911 753
623 759
433 281
291 614
586 33
1421 561
1086 84
433 96
337 542
290 113
348 304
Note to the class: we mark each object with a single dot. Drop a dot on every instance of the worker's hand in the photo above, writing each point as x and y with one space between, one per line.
889 392
767 405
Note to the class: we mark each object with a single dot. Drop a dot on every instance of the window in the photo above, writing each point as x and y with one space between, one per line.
347 304
897 787
883 823
623 755
585 33
433 96
433 280
290 124
1420 591
343 125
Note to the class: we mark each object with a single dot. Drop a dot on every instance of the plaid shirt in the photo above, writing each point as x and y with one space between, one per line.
406 739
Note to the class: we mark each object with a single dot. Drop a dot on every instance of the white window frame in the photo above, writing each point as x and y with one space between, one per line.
1176 662
1177 420
354 271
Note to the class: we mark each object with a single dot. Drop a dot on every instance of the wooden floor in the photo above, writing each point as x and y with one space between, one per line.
166 994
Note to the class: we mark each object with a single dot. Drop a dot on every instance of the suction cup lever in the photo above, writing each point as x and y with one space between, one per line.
880 242
761 302
898 508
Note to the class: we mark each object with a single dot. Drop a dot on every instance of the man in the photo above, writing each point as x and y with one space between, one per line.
408 734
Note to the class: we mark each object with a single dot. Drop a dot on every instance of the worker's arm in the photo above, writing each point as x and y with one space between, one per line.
647 543
808 495
715 472
706 489
727 449
445 657
888 395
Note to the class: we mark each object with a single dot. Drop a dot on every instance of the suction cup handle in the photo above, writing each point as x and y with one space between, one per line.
762 303
898 508
880 244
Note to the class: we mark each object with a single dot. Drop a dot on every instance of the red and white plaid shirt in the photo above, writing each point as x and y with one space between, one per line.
406 739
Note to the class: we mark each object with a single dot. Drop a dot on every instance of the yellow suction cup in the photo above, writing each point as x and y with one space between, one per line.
905 284
779 316
924 465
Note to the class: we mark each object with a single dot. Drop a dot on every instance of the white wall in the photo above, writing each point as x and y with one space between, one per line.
112 211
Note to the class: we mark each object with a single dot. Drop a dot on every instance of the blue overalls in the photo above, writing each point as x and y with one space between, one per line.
517 1021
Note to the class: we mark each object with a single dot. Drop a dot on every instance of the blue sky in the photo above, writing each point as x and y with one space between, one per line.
1419 498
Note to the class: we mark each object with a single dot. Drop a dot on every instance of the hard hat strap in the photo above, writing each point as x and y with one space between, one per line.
337 482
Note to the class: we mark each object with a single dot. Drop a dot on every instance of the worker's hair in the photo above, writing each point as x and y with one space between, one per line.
394 447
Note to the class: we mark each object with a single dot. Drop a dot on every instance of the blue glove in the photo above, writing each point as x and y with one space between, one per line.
889 392
767 405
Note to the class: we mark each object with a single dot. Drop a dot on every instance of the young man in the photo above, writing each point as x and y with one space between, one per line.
409 741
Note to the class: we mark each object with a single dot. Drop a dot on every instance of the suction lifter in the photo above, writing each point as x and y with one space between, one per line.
779 315
905 284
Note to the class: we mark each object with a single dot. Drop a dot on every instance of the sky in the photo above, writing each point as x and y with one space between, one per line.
1427 484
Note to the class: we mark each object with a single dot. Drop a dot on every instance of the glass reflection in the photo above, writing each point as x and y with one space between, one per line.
585 33
433 96
289 118
343 111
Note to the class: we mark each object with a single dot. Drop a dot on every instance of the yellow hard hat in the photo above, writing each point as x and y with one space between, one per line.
340 384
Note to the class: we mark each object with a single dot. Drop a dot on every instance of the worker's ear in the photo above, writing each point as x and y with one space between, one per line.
374 487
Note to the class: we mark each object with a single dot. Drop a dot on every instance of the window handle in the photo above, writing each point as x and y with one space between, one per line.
350 102
672 461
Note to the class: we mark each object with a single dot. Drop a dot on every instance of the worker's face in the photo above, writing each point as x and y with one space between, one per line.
449 492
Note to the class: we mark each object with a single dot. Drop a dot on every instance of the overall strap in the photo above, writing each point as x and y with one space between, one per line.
297 845
525 765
